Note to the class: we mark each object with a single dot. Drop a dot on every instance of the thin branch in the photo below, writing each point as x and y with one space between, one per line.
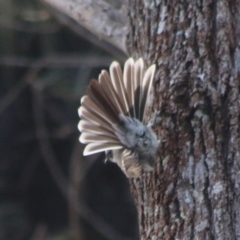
9 98
99 224
77 172
45 62
28 172
40 232
26 27
45 145
66 61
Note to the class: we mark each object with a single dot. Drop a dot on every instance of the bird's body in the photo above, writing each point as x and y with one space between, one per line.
112 117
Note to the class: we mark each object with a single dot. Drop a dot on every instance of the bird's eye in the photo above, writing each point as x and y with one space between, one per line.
145 144
142 135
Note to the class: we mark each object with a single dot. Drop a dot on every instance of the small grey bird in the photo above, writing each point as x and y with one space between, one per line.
112 116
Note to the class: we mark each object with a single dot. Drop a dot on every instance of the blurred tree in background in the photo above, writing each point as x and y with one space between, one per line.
44 70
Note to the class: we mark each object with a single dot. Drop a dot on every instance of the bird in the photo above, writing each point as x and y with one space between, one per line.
112 117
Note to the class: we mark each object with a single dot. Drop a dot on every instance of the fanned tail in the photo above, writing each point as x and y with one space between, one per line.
120 92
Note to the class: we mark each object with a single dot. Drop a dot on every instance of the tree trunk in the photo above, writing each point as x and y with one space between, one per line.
194 192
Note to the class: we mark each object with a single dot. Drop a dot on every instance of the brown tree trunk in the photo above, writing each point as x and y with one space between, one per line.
194 192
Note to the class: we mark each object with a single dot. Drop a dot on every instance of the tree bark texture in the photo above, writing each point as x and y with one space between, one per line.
194 192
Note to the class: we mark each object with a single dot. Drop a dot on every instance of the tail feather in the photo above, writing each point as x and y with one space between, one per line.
97 94
138 76
92 118
107 86
128 76
92 148
146 87
117 81
91 128
89 104
89 138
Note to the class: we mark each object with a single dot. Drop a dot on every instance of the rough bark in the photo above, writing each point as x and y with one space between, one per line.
194 192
